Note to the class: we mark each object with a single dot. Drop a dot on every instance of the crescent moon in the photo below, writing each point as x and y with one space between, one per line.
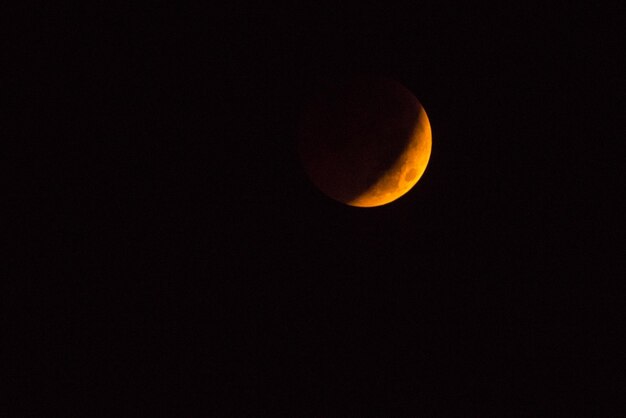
365 143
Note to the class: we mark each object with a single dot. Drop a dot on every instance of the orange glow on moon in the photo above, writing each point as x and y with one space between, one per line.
366 144
405 173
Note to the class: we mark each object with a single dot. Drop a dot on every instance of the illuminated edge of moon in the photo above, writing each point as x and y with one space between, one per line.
405 173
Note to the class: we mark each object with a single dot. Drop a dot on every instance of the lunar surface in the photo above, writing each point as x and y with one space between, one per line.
365 143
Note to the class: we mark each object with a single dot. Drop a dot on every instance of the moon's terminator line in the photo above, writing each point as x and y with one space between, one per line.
365 143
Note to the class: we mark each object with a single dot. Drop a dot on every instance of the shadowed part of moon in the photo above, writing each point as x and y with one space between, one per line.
364 143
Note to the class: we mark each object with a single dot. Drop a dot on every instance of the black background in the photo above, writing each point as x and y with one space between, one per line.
178 260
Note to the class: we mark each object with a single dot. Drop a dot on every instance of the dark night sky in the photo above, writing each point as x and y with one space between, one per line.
180 260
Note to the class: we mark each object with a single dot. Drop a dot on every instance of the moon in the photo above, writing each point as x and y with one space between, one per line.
366 142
